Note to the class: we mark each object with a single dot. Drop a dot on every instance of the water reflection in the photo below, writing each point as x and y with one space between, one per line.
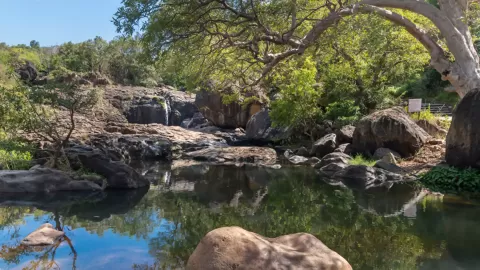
159 228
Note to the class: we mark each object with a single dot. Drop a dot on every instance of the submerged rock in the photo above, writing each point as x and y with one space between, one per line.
236 248
42 180
391 128
259 155
364 177
45 235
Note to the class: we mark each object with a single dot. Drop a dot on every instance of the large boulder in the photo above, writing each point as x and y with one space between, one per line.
45 235
391 128
324 146
118 174
230 115
42 180
197 121
463 139
236 248
260 128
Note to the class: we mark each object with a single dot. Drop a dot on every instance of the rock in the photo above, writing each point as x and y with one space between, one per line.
27 72
463 139
389 158
197 121
118 174
232 115
42 180
236 248
148 110
382 152
434 141
299 160
288 153
391 128
258 155
45 235
345 148
388 166
332 168
313 160
260 128
433 129
324 146
345 134
364 177
302 151
333 158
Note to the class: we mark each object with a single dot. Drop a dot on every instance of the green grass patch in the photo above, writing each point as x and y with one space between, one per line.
361 160
15 154
450 180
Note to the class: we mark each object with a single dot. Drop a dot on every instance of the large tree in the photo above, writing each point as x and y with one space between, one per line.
264 33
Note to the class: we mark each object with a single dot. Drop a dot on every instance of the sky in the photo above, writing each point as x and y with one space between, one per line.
53 22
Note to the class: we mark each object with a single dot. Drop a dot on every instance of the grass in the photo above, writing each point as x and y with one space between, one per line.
450 180
15 154
361 160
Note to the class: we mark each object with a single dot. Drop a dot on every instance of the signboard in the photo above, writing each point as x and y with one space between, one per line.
414 105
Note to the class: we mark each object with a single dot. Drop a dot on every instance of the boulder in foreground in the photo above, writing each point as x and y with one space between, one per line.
45 235
236 248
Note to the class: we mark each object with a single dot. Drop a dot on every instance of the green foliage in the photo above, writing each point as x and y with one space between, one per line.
297 106
361 160
14 154
453 180
343 112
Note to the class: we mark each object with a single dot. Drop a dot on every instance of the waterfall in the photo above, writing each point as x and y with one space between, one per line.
167 111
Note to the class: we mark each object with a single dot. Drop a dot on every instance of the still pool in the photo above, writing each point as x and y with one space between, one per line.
160 227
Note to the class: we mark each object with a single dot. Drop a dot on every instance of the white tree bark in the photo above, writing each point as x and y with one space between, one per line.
464 72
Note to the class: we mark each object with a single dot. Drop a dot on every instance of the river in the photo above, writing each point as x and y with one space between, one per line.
159 228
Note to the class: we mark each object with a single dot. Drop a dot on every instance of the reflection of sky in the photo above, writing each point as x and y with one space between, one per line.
110 251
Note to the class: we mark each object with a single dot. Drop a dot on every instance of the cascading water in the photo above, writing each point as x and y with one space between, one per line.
167 111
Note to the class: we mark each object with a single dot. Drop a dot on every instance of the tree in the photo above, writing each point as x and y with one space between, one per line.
34 44
269 32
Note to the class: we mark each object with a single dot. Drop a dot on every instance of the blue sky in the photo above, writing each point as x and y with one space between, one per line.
53 22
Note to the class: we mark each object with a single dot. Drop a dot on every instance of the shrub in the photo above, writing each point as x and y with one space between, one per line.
343 112
453 180
361 160
14 154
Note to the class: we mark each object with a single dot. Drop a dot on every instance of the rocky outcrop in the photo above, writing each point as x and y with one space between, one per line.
27 72
324 146
162 105
433 129
118 174
391 128
45 235
148 110
42 180
222 115
260 128
463 139
236 248
258 155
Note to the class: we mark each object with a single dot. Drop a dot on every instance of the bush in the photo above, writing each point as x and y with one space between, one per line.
453 180
343 112
361 160
14 154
